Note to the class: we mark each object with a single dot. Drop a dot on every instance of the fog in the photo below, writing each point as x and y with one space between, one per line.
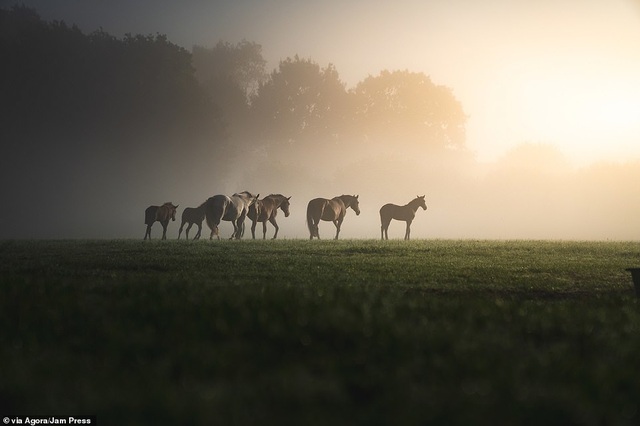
525 195
95 128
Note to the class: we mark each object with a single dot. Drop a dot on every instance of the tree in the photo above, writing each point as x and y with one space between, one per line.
91 120
300 104
230 73
407 108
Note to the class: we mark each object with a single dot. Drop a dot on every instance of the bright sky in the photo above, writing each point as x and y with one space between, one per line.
564 72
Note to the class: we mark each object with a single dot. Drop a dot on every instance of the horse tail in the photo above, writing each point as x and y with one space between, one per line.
313 227
212 216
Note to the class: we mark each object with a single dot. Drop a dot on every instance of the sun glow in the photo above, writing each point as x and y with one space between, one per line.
587 112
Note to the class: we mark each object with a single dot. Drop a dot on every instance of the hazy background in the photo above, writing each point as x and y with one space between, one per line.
517 119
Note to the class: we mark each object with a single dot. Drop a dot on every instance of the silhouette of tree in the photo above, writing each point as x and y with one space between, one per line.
300 104
82 115
241 65
231 74
407 108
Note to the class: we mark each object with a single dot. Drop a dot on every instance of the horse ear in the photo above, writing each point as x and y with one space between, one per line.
288 198
357 197
257 196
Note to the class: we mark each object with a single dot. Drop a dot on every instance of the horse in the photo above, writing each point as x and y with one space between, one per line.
405 213
192 215
232 209
161 214
332 210
266 210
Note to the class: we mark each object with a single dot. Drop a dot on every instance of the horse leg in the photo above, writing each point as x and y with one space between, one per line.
275 224
313 230
253 228
180 230
264 230
406 234
188 229
237 228
385 229
164 229
147 232
337 223
214 231
197 237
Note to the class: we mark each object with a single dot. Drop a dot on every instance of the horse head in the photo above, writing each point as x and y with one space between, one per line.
172 209
255 209
284 206
355 205
421 202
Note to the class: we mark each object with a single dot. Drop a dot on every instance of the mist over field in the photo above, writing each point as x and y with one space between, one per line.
97 127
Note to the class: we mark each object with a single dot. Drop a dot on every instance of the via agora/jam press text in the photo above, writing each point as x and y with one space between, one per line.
49 420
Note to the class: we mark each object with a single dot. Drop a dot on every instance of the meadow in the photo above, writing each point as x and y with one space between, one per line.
321 332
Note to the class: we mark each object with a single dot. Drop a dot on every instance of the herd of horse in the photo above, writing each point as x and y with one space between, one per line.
237 207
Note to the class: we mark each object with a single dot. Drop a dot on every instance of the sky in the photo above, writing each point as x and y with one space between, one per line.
559 72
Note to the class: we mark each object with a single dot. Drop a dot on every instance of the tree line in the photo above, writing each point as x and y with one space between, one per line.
92 119
77 88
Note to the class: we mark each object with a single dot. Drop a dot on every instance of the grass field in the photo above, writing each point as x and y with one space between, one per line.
321 332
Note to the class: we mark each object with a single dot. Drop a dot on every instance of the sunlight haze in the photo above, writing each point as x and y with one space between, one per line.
560 72
550 89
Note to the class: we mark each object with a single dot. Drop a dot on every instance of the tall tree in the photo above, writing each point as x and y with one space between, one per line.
300 104
91 120
408 108
240 63
230 73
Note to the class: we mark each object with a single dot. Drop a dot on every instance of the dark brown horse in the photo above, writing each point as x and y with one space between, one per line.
266 210
332 210
192 215
405 213
161 214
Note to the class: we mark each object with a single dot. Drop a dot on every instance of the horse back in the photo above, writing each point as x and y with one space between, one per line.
393 211
193 214
316 206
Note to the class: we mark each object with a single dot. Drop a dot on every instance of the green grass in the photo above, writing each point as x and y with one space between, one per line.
321 332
